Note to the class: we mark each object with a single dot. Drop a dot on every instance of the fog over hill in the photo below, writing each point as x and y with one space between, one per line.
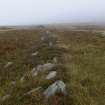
35 12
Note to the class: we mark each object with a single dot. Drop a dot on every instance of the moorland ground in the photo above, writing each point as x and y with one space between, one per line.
81 57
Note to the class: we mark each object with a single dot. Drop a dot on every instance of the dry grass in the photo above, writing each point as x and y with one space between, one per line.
85 63
81 57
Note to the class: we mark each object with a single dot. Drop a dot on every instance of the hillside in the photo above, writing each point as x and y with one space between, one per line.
76 59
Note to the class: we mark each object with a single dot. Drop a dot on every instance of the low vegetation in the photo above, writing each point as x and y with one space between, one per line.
81 58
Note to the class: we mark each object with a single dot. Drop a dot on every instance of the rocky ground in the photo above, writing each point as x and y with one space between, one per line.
42 67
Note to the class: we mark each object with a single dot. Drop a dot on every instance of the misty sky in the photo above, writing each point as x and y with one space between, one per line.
22 12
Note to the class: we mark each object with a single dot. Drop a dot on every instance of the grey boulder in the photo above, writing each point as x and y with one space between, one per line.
51 75
58 86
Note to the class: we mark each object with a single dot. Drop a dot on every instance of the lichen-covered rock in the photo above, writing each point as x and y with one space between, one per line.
34 72
5 97
49 38
45 36
103 33
50 44
47 66
55 60
51 75
22 79
13 83
33 90
35 53
40 68
8 64
58 86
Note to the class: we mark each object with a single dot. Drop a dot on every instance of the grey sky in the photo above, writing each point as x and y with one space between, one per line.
17 12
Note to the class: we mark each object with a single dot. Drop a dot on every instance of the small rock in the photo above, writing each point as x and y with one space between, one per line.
103 33
34 72
39 68
33 90
5 97
45 36
8 64
48 32
55 60
22 79
54 35
51 75
47 66
42 38
34 54
13 83
44 67
50 44
58 86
